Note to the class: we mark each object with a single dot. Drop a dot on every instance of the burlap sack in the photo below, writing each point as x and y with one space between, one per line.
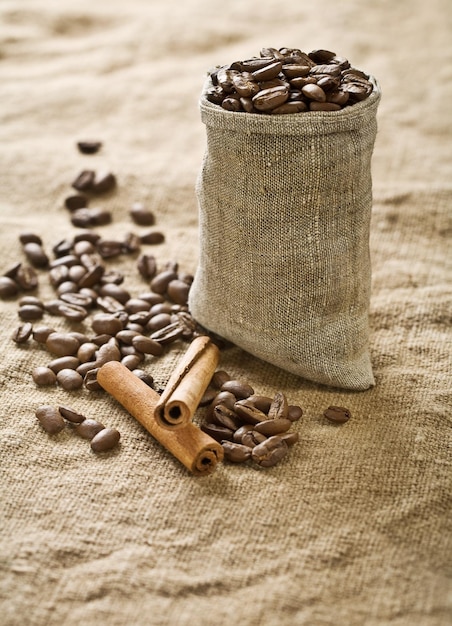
284 270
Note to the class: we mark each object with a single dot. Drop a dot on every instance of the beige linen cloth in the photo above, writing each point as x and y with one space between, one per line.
354 526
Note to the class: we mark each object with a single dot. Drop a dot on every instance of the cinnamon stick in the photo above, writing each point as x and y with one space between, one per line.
188 383
198 452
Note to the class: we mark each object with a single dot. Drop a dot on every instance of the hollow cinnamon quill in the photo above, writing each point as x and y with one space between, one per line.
198 452
188 383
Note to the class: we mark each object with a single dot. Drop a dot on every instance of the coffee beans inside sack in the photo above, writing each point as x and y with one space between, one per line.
285 199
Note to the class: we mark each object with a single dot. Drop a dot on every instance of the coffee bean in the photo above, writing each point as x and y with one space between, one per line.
241 390
147 345
89 147
269 452
252 438
71 415
159 284
108 352
236 452
269 99
25 238
152 238
90 380
219 433
158 321
178 290
40 333
30 312
294 413
290 438
226 398
103 181
274 426
72 312
76 201
105 440
62 344
144 376
22 333
8 287
84 181
106 323
69 379
132 361
89 428
35 254
43 376
314 92
109 248
240 432
279 407
337 414
64 362
131 243
135 305
223 416
26 278
50 419
167 335
249 413
141 215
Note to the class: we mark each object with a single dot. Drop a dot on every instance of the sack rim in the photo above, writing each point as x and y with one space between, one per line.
318 121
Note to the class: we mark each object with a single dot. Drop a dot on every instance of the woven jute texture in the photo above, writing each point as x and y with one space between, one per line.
285 205
354 527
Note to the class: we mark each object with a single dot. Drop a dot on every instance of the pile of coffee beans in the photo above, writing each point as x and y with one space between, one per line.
249 426
54 419
287 80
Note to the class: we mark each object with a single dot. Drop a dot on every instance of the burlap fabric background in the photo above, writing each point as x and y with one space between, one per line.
354 527
284 270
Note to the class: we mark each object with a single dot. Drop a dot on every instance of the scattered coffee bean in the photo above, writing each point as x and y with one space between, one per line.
35 254
84 181
8 287
50 419
62 344
105 440
71 415
141 215
76 201
88 428
269 452
103 181
337 414
69 379
89 147
22 333
236 452
44 376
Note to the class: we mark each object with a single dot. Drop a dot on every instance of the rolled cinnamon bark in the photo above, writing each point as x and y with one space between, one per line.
188 383
189 444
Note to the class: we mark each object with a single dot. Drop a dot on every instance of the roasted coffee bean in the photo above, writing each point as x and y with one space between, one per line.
131 243
40 333
252 438
269 452
76 273
159 284
144 376
103 181
290 438
26 237
109 304
135 305
141 318
223 416
160 307
321 56
245 85
177 291
108 352
152 238
290 107
269 99
72 312
76 201
208 396
226 398
33 300
92 276
294 412
30 312
22 333
84 368
147 345
337 414
158 321
235 452
241 431
8 287
274 426
142 215
147 266
314 92
249 413
64 362
43 376
262 403
77 299
84 181
132 361
295 71
240 389
219 433
87 352
106 323
89 147
219 378
90 380
89 428
26 278
115 291
168 334
68 286
35 254
71 415
105 440
279 407
69 379
109 248
50 419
